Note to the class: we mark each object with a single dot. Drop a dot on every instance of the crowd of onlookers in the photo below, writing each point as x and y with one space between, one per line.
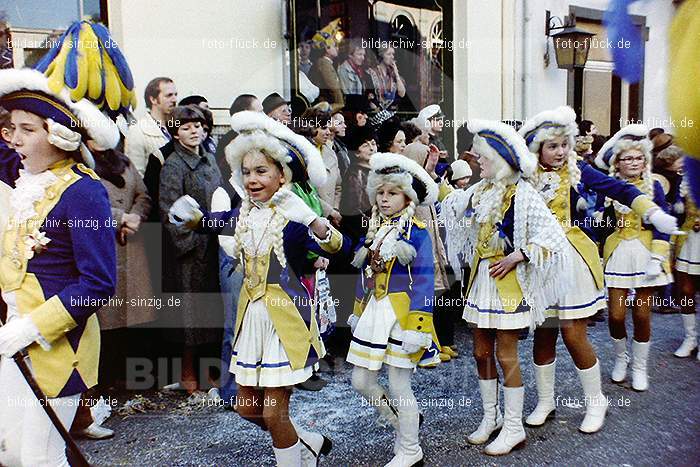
171 151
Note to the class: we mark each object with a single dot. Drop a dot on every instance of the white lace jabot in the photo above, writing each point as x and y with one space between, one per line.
29 189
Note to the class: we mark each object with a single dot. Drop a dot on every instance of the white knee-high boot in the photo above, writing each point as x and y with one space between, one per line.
288 457
622 358
640 355
512 435
492 419
407 450
690 342
545 409
312 445
596 402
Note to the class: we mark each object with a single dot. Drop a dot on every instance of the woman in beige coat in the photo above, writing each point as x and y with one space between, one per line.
134 302
132 305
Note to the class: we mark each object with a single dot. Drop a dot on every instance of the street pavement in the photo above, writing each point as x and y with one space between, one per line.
657 427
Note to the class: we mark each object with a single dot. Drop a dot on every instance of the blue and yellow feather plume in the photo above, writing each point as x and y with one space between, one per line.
87 62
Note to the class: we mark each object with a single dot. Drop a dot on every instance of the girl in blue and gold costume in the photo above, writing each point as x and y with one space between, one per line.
517 253
687 252
392 320
276 343
636 255
570 188
57 264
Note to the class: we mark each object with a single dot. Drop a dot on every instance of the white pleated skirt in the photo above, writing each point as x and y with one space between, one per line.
484 307
377 339
627 264
584 298
688 259
259 359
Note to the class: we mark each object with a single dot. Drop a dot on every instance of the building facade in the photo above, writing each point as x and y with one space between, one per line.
476 58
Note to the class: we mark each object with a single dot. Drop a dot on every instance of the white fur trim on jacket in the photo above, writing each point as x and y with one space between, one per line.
248 121
99 128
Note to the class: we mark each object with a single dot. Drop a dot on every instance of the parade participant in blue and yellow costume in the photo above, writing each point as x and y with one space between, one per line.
636 255
57 264
276 343
687 252
570 188
517 252
392 321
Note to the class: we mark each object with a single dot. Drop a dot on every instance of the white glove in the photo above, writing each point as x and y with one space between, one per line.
16 335
240 191
220 201
292 207
184 210
413 341
353 319
62 137
664 223
653 267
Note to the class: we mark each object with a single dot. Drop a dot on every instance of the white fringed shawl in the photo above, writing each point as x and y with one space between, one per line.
545 278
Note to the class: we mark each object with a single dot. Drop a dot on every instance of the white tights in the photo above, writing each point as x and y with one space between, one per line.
402 404
27 436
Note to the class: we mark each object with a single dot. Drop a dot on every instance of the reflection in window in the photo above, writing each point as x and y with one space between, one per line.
48 14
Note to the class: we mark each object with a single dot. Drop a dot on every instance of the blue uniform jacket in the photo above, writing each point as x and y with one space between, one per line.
594 187
410 288
301 342
62 287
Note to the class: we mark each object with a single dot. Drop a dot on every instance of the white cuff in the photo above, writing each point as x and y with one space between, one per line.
329 235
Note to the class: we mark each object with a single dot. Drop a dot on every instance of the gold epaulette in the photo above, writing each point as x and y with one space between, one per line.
87 171
418 223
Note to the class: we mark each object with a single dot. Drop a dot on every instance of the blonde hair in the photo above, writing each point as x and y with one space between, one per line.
275 230
494 212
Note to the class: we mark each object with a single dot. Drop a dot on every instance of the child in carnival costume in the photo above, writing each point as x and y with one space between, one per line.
636 255
687 265
57 264
517 253
276 342
392 320
570 188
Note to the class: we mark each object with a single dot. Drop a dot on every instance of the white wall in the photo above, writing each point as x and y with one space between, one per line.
484 59
545 88
217 48
500 75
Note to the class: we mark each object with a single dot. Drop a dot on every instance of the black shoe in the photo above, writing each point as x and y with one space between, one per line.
315 383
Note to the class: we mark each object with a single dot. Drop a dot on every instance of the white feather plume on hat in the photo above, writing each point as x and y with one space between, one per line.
483 129
410 171
97 126
634 136
258 131
550 124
